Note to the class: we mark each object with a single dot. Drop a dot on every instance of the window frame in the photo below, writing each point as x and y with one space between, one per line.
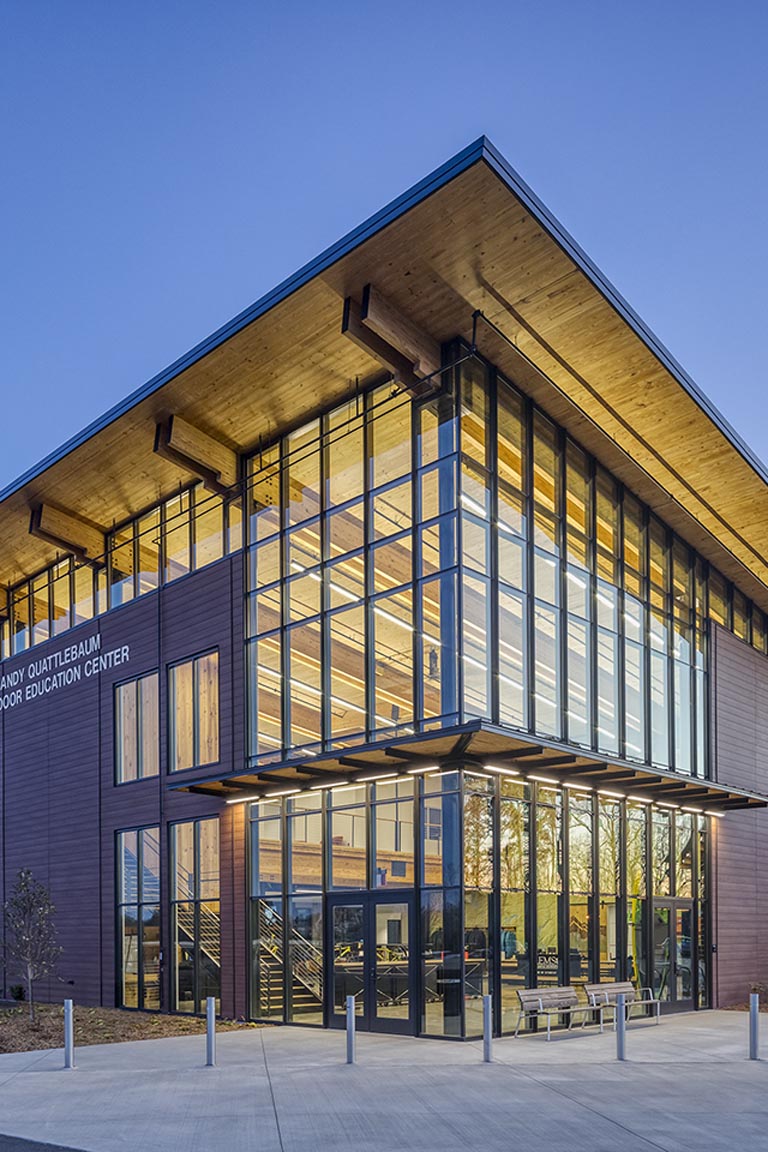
171 711
136 680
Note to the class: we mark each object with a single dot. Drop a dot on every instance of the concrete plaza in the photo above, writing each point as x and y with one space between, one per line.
686 1084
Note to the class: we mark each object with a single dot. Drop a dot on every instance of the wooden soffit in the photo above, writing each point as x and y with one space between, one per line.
469 237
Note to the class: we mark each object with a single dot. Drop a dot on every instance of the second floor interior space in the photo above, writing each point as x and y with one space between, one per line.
415 563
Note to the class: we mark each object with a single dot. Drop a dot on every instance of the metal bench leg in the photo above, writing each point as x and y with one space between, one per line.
549 1023
602 1027
658 1009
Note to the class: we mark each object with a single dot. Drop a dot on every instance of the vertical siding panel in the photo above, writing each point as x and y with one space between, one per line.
740 695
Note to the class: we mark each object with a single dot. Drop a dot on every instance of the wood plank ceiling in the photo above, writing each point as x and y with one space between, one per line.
470 245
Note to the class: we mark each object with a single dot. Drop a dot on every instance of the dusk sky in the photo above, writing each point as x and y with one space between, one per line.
166 163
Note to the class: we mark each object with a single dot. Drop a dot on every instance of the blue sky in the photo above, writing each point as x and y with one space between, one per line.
165 163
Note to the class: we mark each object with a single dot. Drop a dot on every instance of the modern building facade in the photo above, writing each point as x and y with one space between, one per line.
406 639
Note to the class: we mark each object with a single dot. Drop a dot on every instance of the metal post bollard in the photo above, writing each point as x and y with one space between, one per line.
210 1032
350 1029
69 1035
754 1025
621 1027
487 1030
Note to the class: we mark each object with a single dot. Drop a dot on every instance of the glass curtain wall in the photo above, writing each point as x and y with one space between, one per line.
352 577
519 884
597 612
375 529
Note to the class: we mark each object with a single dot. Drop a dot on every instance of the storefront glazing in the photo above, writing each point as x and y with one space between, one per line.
420 894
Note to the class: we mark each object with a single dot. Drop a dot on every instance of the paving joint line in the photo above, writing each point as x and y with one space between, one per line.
595 1111
271 1092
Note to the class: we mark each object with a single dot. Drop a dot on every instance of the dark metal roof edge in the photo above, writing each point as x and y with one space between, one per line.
531 201
397 207
480 149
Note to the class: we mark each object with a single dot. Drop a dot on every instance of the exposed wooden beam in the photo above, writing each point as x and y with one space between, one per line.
69 532
207 790
687 793
583 770
180 442
378 314
353 762
241 785
412 757
619 777
550 762
310 770
398 364
514 754
654 782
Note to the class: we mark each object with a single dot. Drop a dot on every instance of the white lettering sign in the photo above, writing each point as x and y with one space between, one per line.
46 674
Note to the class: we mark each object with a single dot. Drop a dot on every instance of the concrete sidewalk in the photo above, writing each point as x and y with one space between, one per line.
686 1085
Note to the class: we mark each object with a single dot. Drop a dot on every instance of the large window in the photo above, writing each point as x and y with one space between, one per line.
136 729
352 590
193 704
195 914
138 917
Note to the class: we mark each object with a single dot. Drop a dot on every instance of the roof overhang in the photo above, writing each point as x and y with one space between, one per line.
471 236
486 749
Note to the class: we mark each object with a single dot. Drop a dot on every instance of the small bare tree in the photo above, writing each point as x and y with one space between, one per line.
31 947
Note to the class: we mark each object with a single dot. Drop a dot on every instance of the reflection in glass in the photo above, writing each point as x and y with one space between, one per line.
514 957
441 962
477 958
348 942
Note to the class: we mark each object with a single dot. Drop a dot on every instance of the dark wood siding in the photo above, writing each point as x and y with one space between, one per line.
61 808
740 742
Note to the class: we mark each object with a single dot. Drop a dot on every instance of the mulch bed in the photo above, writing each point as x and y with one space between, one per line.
95 1026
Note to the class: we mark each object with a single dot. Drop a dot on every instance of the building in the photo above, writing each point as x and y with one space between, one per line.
406 638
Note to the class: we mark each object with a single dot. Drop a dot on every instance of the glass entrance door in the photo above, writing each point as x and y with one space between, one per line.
371 958
673 953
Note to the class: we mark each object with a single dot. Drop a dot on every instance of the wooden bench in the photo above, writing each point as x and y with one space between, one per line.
602 996
551 1002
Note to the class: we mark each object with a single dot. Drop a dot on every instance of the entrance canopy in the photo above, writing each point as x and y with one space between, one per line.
484 748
